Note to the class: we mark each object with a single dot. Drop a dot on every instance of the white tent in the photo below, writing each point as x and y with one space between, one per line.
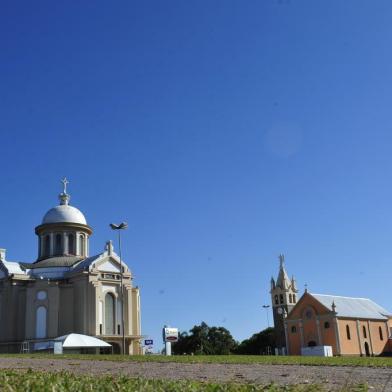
75 340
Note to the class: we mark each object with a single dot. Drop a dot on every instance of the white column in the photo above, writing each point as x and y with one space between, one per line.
301 331
77 242
87 247
65 243
359 338
336 328
320 341
370 338
51 244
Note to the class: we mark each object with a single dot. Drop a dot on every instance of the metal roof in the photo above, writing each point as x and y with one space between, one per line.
57 261
13 267
360 308
84 264
78 340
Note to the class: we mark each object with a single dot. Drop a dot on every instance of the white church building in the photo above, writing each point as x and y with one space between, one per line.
65 290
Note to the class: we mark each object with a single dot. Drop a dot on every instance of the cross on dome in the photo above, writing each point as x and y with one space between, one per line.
64 197
65 183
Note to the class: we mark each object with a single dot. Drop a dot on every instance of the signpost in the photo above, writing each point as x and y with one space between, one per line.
170 335
148 346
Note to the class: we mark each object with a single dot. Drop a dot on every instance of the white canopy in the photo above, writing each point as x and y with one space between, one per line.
78 340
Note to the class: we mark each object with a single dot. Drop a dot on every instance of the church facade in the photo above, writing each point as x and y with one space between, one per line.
66 290
350 326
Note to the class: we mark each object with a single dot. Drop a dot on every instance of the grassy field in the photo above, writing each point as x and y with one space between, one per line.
31 381
237 359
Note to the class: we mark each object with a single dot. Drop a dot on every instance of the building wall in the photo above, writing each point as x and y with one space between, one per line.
364 332
294 337
349 345
66 319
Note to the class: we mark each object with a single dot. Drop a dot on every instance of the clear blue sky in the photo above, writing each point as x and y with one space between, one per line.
224 132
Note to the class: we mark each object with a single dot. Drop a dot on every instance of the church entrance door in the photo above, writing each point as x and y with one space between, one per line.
367 351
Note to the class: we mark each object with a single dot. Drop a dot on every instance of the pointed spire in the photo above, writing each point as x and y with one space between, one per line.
272 283
283 280
281 260
63 196
294 284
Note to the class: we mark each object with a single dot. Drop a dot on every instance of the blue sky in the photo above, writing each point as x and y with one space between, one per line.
225 132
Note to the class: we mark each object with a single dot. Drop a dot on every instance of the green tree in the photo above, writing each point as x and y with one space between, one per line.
259 343
205 340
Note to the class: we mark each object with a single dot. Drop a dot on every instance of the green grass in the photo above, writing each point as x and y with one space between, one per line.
31 381
235 359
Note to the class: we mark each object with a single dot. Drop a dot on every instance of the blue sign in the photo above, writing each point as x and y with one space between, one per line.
148 342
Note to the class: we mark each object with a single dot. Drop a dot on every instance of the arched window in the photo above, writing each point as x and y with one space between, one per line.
58 244
364 332
109 314
326 325
308 314
293 329
281 298
290 298
40 323
71 244
276 300
47 246
380 332
81 246
294 299
348 332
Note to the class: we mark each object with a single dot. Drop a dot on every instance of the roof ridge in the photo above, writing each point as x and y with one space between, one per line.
340 296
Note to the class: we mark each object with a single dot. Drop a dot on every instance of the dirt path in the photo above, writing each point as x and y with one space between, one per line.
332 377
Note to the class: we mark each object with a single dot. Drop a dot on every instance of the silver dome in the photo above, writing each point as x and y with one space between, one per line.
64 213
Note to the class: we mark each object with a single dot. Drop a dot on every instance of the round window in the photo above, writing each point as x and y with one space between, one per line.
308 314
41 295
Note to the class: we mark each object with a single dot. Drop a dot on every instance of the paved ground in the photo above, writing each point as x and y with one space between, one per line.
332 377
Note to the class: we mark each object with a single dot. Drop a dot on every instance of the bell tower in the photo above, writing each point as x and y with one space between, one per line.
284 297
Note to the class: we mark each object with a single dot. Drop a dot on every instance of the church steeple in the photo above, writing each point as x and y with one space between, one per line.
284 297
283 280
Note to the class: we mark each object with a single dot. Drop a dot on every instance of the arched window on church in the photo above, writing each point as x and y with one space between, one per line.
276 300
281 298
71 244
290 298
348 332
58 245
364 332
294 299
47 246
40 322
380 332
82 250
109 314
